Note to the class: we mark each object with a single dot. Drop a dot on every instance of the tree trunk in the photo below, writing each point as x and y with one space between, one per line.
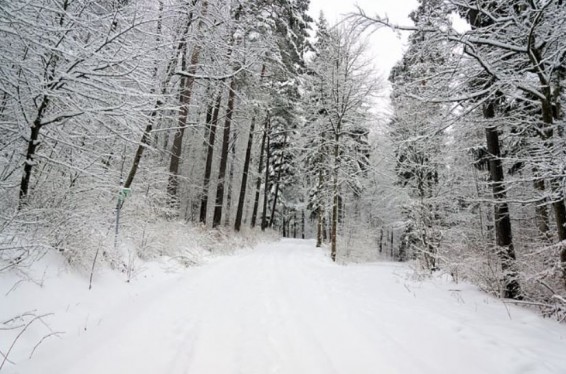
30 153
541 211
320 210
284 226
146 136
217 218
145 140
275 196
560 218
187 83
548 116
171 66
555 183
335 199
381 241
391 243
303 224
266 184
558 203
560 215
244 184
503 232
209 158
176 149
230 181
33 142
258 180
277 185
319 227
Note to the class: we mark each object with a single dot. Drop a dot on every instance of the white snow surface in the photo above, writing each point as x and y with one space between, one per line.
281 308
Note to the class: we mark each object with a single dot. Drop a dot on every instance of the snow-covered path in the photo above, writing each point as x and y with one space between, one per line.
285 308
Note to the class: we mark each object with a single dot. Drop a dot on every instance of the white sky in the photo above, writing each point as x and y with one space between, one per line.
386 46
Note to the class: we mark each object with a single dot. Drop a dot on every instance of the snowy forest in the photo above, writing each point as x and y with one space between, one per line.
136 129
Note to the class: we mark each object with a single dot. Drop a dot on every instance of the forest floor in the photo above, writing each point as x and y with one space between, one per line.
286 308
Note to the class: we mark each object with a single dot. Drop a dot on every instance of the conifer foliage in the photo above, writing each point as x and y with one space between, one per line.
479 128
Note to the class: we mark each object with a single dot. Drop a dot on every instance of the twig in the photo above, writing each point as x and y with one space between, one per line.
546 286
42 339
6 358
13 264
92 269
11 328
508 311
521 302
26 314
559 298
18 337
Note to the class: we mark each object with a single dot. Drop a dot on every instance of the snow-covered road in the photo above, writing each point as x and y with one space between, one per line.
285 308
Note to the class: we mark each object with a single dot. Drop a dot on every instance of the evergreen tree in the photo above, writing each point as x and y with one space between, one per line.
417 131
339 94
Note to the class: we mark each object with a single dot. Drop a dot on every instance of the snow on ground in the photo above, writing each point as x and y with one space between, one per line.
285 308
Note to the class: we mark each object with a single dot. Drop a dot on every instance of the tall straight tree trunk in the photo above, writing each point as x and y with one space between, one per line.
209 158
277 187
381 241
211 94
245 172
230 182
302 224
334 226
244 184
556 187
284 226
187 82
219 201
176 149
335 199
260 168
391 241
217 218
547 133
146 136
145 141
541 211
319 227
275 198
320 210
266 184
560 217
503 232
535 55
